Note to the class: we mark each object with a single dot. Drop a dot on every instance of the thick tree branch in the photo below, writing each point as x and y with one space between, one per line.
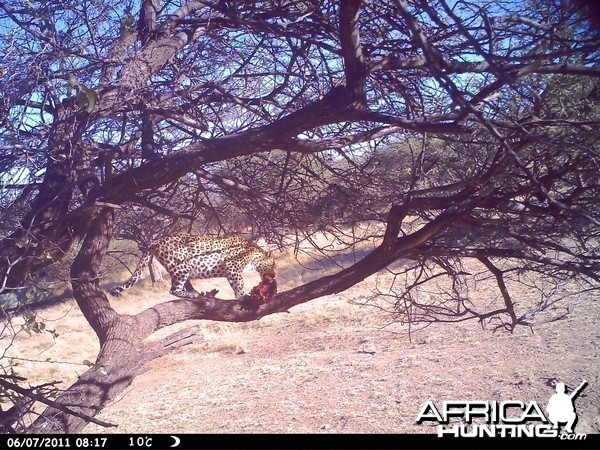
166 314
354 61
479 158
85 273
232 185
147 20
42 399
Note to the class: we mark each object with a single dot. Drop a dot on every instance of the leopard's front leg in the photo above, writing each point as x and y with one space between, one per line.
236 281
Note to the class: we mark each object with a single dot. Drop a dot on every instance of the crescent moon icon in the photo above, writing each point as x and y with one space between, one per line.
177 441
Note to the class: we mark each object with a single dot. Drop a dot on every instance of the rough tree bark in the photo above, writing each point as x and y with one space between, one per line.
50 230
55 224
123 351
156 273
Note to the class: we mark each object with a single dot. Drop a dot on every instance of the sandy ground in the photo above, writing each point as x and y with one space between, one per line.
309 372
328 366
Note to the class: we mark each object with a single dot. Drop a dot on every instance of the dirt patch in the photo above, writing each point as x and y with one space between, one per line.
329 366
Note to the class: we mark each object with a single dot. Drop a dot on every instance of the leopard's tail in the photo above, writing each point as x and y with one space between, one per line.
135 276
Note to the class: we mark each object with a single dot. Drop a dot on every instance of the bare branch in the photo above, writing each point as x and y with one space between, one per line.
40 398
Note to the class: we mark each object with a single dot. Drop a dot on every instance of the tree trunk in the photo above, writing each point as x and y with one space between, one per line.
122 351
156 273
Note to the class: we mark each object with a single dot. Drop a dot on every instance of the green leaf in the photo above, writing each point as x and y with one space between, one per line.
127 25
72 80
86 96
53 333
73 84
81 99
92 98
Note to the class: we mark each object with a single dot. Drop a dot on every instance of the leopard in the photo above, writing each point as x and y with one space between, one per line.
188 256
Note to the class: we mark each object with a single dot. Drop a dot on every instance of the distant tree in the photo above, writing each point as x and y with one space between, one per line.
468 130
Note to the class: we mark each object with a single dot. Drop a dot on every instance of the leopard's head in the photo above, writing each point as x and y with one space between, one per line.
265 264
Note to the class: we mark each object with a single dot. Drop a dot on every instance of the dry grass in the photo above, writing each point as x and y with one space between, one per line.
75 343
330 365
